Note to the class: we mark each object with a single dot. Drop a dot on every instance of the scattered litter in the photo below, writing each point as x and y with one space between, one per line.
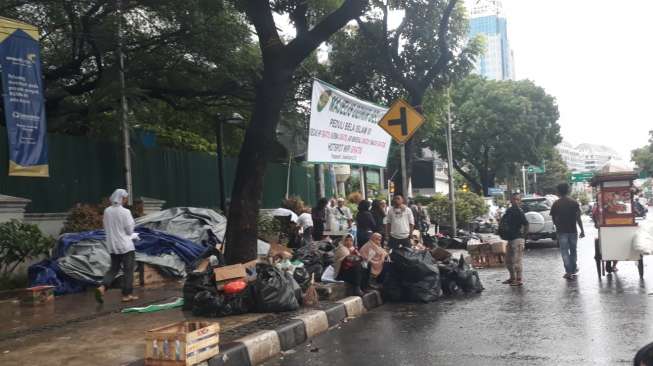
316 349
288 352
179 302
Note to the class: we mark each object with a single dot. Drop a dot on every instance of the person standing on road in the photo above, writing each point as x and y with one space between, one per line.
565 213
119 227
513 228
399 223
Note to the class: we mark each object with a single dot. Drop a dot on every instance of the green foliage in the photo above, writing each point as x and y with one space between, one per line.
20 242
556 173
469 205
268 227
496 127
582 197
643 157
423 200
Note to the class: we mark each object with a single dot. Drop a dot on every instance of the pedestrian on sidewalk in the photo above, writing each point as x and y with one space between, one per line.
365 223
343 215
119 227
319 216
399 223
565 213
513 228
305 224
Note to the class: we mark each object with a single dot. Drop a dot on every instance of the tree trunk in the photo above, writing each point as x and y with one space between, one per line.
242 235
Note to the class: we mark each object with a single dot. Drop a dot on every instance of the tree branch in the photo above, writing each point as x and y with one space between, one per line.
302 46
260 14
443 46
467 176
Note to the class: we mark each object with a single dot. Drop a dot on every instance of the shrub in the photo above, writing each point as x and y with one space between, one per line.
268 227
20 242
423 200
83 217
88 217
469 205
294 204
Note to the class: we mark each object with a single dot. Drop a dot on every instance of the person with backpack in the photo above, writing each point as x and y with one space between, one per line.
513 227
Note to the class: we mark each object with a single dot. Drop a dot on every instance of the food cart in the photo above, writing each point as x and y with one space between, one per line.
616 221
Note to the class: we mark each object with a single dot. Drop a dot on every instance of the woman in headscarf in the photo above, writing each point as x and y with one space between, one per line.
119 227
348 266
375 256
365 223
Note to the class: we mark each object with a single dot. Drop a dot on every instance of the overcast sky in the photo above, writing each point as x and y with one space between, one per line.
595 57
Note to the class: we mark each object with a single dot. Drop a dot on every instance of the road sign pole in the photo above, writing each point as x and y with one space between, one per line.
452 188
523 178
404 177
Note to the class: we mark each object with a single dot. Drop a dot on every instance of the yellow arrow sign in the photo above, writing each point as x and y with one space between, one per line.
401 121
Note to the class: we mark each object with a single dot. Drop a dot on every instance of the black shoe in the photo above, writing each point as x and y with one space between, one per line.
358 292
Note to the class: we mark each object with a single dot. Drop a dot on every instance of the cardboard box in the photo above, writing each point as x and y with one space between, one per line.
37 295
229 273
147 275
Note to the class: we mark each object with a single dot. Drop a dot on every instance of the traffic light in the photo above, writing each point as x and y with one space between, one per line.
465 188
391 187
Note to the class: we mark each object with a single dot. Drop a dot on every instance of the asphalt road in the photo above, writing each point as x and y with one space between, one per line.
549 321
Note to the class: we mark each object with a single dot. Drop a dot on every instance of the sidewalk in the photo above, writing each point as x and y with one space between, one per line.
75 330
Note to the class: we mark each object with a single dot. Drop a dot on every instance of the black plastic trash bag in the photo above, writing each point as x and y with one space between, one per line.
302 277
458 276
412 277
207 303
391 290
425 290
274 290
197 282
240 303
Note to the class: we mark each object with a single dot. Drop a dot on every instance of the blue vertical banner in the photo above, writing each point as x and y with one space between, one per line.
24 103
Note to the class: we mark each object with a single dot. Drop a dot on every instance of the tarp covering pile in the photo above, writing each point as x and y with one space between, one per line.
170 240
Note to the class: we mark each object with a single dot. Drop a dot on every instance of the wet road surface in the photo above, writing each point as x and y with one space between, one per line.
549 321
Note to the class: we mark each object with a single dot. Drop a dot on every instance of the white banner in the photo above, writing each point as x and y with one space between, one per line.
345 130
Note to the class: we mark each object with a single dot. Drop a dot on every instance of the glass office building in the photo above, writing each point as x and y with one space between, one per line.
487 19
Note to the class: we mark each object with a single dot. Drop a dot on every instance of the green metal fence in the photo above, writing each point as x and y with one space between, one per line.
85 170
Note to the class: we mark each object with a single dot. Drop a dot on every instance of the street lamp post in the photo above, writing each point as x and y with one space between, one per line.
237 120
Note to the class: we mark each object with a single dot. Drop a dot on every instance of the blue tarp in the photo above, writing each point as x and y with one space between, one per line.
152 243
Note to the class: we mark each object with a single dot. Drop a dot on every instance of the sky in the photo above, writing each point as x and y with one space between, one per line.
596 58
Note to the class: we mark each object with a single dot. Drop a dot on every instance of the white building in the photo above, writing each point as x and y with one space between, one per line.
487 19
596 156
572 157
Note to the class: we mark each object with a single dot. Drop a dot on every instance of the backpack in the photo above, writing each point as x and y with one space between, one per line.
505 230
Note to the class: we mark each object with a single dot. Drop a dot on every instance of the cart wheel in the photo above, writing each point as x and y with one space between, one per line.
602 268
640 267
608 267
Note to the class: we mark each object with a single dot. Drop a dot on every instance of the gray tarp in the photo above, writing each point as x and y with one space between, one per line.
198 225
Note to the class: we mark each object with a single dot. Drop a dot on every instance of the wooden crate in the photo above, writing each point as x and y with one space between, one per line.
487 260
147 275
182 344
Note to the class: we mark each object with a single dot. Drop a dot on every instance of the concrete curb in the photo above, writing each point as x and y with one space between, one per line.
261 346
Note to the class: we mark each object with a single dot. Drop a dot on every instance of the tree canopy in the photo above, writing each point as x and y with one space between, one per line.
496 127
643 157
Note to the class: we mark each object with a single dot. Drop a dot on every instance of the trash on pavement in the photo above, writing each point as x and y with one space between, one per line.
457 276
184 343
179 302
275 291
37 295
412 277
226 274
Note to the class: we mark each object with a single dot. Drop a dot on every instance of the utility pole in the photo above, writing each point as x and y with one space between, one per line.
404 178
523 178
123 102
452 189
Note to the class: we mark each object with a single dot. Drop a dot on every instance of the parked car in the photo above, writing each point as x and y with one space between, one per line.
540 223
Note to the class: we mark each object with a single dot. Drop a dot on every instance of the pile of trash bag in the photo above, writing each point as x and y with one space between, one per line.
275 290
412 277
457 276
316 256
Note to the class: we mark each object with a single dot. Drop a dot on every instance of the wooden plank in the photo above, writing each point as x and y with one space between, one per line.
204 343
203 356
202 332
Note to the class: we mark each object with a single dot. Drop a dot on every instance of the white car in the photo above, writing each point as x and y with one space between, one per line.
540 223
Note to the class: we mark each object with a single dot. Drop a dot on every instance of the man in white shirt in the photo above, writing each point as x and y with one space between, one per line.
343 215
399 223
119 227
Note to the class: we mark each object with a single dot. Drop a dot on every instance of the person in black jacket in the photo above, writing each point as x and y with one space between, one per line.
378 212
319 217
365 223
513 228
